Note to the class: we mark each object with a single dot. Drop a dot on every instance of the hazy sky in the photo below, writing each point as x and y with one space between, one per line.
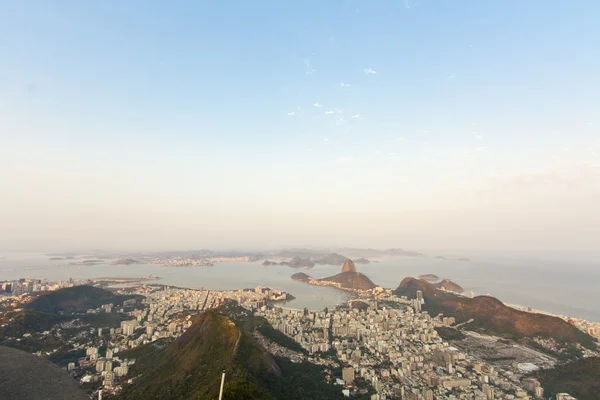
426 124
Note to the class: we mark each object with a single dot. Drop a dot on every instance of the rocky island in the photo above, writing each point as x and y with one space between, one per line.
362 260
301 276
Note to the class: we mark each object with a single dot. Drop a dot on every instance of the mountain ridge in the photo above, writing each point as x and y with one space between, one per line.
492 315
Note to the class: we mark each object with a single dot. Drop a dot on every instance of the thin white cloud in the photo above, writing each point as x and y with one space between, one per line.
344 85
340 121
410 4
369 71
346 159
357 116
309 70
478 136
317 105
451 77
328 112
400 139
482 148
326 139
292 113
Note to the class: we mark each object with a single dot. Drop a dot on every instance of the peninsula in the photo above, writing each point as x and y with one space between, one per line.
348 279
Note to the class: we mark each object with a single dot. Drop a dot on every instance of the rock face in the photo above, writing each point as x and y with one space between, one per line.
449 286
349 266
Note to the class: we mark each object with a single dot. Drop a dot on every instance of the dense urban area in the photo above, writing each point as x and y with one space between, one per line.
386 346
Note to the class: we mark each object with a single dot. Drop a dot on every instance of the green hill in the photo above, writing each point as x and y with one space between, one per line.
50 309
74 299
492 316
579 378
190 367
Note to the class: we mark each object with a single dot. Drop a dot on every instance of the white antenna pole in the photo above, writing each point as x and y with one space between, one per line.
222 383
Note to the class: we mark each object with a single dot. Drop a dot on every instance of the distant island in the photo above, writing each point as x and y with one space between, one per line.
463 259
348 279
56 259
125 261
301 276
429 277
331 259
312 260
296 262
86 262
337 256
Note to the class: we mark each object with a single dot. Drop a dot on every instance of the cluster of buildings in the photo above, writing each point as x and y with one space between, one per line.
199 261
591 327
25 286
395 348
182 261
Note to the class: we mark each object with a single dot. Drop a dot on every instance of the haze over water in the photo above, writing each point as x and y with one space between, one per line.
561 287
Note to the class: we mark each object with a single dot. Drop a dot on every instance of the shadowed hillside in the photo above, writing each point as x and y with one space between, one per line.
74 299
579 378
52 308
25 376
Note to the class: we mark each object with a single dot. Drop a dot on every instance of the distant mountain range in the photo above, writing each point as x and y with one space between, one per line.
347 251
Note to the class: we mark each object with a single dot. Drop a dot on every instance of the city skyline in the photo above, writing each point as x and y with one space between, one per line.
393 124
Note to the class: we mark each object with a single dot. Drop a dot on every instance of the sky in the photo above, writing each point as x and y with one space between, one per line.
141 125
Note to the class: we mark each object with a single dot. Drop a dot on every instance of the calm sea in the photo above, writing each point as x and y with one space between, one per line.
561 287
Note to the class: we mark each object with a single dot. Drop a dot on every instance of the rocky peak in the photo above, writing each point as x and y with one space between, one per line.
349 266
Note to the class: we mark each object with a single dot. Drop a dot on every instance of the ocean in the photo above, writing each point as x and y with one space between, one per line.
559 287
